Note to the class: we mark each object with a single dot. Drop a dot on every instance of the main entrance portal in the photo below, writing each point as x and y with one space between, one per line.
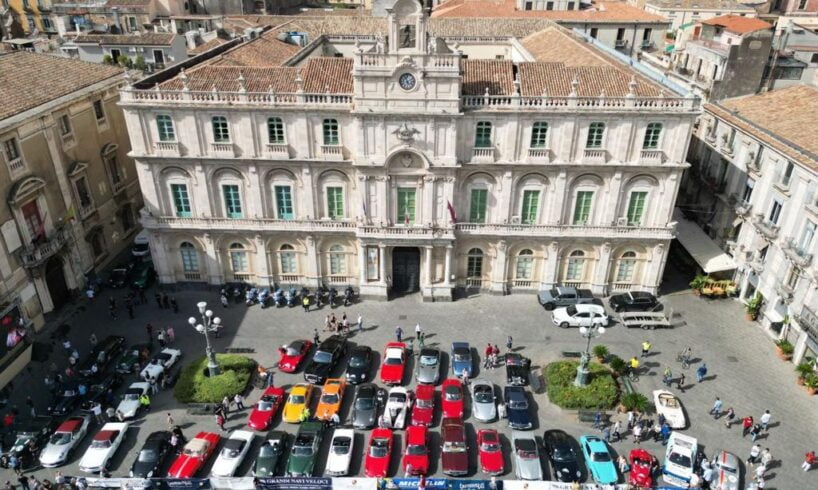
405 270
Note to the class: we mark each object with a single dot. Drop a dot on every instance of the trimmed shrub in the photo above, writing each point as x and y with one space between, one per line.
601 391
635 401
194 386
618 365
601 352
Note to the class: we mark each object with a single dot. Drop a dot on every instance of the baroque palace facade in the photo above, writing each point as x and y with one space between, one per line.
408 161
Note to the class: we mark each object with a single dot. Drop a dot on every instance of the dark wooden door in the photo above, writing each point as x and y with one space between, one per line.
405 270
55 280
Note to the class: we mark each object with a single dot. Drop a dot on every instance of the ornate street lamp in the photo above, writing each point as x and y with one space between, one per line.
582 370
208 322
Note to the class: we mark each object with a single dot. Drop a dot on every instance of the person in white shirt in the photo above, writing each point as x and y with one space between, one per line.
765 420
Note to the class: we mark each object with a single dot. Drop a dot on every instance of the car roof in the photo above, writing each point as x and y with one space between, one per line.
515 392
589 307
331 342
381 432
234 443
300 389
158 436
430 351
366 390
558 437
640 294
395 345
70 425
596 444
427 391
490 435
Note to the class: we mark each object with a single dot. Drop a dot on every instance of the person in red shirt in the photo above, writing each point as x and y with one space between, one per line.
746 424
809 460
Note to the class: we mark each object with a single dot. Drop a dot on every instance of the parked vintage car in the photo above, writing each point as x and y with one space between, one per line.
517 411
518 369
599 460
378 453
36 430
101 356
359 365
454 454
526 456
194 455
428 366
562 451
299 399
633 301
325 358
680 459
416 455
232 453
332 395
668 405
161 363
271 454
365 406
340 452
103 446
641 472
484 406
305 449
152 455
129 406
424 409
452 398
266 408
292 354
462 361
490 452
394 363
583 315
727 472
64 441
129 361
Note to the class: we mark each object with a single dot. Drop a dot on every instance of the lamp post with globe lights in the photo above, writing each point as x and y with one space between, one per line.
588 333
208 322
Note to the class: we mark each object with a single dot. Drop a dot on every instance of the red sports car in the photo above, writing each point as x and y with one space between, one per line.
292 354
268 405
194 455
490 452
394 362
378 454
452 398
424 409
416 457
641 475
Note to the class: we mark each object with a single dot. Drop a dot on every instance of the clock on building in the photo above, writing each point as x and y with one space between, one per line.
407 81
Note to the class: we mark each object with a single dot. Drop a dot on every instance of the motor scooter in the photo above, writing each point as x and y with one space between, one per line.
292 297
264 298
251 296
349 296
333 293
278 297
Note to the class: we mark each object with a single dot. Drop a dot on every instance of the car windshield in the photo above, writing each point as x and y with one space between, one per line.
454 447
302 450
232 452
484 395
461 355
267 450
101 444
571 310
424 403
60 438
192 452
131 396
341 445
428 360
297 399
364 403
490 447
322 357
147 456
357 361
563 455
378 448
398 398
680 459
518 404
265 406
393 357
293 349
416 450
452 393
330 398
601 457
729 469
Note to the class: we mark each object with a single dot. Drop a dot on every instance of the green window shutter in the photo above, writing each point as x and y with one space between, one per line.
582 210
164 125
477 211
181 200
482 136
232 201
652 133
406 205
275 131
284 202
595 133
335 202
221 133
636 208
330 132
530 201
539 135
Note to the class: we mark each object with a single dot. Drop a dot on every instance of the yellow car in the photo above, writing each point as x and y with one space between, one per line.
297 402
330 402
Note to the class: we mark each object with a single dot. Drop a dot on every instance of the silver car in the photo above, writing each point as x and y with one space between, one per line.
526 456
483 400
428 370
726 472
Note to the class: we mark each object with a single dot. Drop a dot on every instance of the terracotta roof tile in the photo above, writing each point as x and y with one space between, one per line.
610 11
738 24
265 50
206 46
28 80
555 79
700 4
148 38
332 75
496 75
553 45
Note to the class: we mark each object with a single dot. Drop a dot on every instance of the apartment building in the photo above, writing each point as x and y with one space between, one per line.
156 49
31 17
682 12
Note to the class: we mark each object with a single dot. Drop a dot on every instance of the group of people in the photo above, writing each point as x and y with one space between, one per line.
342 326
491 356
223 409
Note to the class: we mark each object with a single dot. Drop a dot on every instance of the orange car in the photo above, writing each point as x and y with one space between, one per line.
330 402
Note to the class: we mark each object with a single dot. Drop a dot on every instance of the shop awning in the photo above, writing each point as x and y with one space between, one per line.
701 247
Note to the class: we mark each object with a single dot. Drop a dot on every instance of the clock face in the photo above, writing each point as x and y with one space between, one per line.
407 81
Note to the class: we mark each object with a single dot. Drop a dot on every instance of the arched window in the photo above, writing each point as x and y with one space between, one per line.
337 261
525 264
287 257
576 266
238 258
275 131
626 267
474 264
190 258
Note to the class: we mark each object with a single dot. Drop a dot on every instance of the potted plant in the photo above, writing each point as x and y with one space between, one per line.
784 349
698 283
601 352
804 369
618 365
633 401
753 307
811 383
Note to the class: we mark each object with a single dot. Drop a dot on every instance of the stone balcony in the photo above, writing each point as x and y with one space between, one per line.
483 154
539 155
652 157
168 149
222 150
741 207
37 254
277 151
558 231
767 229
246 224
794 254
595 156
334 153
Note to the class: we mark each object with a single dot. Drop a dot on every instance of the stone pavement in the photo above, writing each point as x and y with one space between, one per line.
743 368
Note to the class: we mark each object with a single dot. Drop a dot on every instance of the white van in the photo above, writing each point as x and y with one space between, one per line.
141 244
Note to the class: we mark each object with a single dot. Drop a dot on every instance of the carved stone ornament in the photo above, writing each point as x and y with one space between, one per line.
406 160
405 133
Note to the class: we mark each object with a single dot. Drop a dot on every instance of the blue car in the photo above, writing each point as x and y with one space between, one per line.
599 461
519 417
461 359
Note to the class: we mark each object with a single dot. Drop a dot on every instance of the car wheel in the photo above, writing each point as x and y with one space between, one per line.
564 325
549 306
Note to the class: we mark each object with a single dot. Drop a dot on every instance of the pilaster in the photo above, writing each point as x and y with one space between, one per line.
313 276
263 270
215 273
550 270
599 285
498 269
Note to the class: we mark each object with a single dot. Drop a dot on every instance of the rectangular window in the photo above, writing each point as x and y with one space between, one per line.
335 202
190 259
181 200
620 34
529 5
11 149
775 211
83 196
164 126
47 26
539 135
275 131
232 200
802 4
65 125
624 271
238 261
792 278
786 176
549 5
570 5
221 132
99 111
331 132
33 219
748 191
652 133
477 205
482 136
372 263
288 262
158 57
805 243
646 35
574 270
582 208
531 200
636 208
595 133
337 264
406 205
284 202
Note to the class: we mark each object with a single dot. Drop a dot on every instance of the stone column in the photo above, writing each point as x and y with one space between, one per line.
382 263
447 279
42 290
201 191
653 274
599 285
427 188
559 199
498 270
254 190
313 265
263 271
428 264
159 254
361 264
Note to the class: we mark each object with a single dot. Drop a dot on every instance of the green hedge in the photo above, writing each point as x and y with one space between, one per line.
194 387
600 393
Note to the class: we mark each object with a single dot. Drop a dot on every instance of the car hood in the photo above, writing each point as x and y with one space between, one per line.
518 416
338 463
493 461
428 374
363 418
52 453
300 465
292 412
566 471
392 373
725 481
290 362
604 473
376 467
459 366
484 411
529 469
94 457
422 416
265 466
128 407
140 469
318 369
184 467
259 419
224 466
455 461
419 463
357 373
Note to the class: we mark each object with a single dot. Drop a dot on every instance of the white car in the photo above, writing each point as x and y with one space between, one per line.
64 440
583 315
670 407
129 406
160 363
103 446
232 454
340 452
396 410
680 460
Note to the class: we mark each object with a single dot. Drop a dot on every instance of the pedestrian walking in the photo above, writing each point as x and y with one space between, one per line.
606 433
680 383
809 460
360 324
170 421
645 348
665 433
165 301
145 401
707 476
729 417
66 344
631 419
239 401
766 457
637 433
23 481
755 431
488 352
509 343
622 462
158 298
160 337
615 432
15 464
226 405
97 411
410 346
149 330
755 453
345 323
716 410
746 425
110 413
30 405
501 410
220 421
152 383
398 333
305 302
222 298
597 420
418 330
765 420
315 338
701 373
667 376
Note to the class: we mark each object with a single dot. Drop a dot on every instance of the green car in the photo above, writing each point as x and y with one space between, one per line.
129 361
144 275
305 449
271 454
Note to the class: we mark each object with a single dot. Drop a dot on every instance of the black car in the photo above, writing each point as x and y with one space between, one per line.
325 359
67 397
98 392
26 438
633 301
562 452
102 355
272 454
517 412
152 455
518 369
120 277
359 365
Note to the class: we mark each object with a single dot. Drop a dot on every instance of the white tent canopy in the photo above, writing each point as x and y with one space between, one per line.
701 247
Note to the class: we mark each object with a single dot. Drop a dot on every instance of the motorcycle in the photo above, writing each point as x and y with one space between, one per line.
333 293
251 296
237 293
264 298
305 293
278 297
320 294
292 297
349 296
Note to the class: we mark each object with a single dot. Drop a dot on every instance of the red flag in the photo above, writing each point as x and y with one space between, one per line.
452 213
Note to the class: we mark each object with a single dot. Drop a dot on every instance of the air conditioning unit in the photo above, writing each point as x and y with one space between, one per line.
621 221
515 220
